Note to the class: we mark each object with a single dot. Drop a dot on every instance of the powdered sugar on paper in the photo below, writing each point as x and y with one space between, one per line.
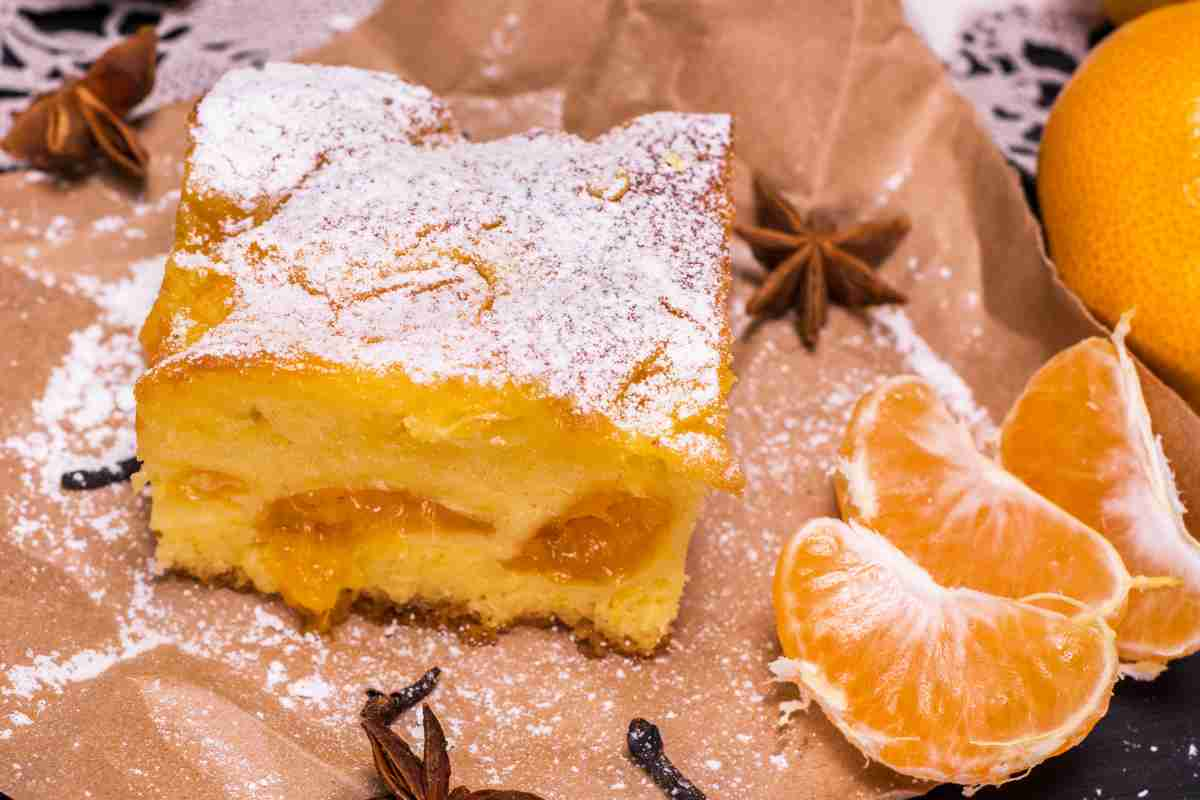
898 329
84 418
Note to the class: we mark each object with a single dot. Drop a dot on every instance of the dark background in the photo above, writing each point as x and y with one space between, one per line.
1142 744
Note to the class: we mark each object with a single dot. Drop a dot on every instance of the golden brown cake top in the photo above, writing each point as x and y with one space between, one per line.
373 235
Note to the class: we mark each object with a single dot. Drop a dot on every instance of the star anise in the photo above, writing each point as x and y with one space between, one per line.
811 261
408 777
66 129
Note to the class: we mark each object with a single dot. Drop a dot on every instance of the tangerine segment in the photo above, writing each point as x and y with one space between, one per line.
909 470
943 684
316 544
1080 435
606 536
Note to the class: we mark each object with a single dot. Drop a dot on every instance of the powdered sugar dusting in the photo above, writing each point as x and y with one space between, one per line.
84 418
925 362
258 132
594 271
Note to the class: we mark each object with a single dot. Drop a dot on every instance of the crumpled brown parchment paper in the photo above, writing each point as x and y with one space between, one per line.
143 686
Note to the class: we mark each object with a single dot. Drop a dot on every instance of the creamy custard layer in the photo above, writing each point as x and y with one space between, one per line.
322 486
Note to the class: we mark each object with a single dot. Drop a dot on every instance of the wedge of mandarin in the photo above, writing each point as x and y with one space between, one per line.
1081 436
945 684
912 472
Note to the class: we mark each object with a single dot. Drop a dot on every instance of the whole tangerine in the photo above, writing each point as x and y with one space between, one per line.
1121 11
1119 186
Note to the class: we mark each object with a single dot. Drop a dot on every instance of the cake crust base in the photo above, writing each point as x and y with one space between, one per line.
455 618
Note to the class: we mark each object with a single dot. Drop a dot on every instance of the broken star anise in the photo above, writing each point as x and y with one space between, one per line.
64 130
406 776
811 261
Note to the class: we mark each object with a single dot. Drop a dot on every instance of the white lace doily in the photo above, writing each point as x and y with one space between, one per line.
1010 59
43 40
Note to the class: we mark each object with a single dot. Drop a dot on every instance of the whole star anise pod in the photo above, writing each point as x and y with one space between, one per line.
406 776
811 261
64 130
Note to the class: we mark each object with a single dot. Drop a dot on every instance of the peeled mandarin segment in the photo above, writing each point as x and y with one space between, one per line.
909 470
1080 435
942 684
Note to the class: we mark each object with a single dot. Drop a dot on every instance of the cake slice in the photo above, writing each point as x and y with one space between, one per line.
387 362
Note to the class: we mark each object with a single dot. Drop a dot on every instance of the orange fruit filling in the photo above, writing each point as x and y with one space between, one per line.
1080 435
943 684
603 537
316 544
909 470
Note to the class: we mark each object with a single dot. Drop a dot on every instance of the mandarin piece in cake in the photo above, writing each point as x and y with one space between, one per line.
487 378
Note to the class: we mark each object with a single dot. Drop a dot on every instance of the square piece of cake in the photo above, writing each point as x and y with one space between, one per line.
388 362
